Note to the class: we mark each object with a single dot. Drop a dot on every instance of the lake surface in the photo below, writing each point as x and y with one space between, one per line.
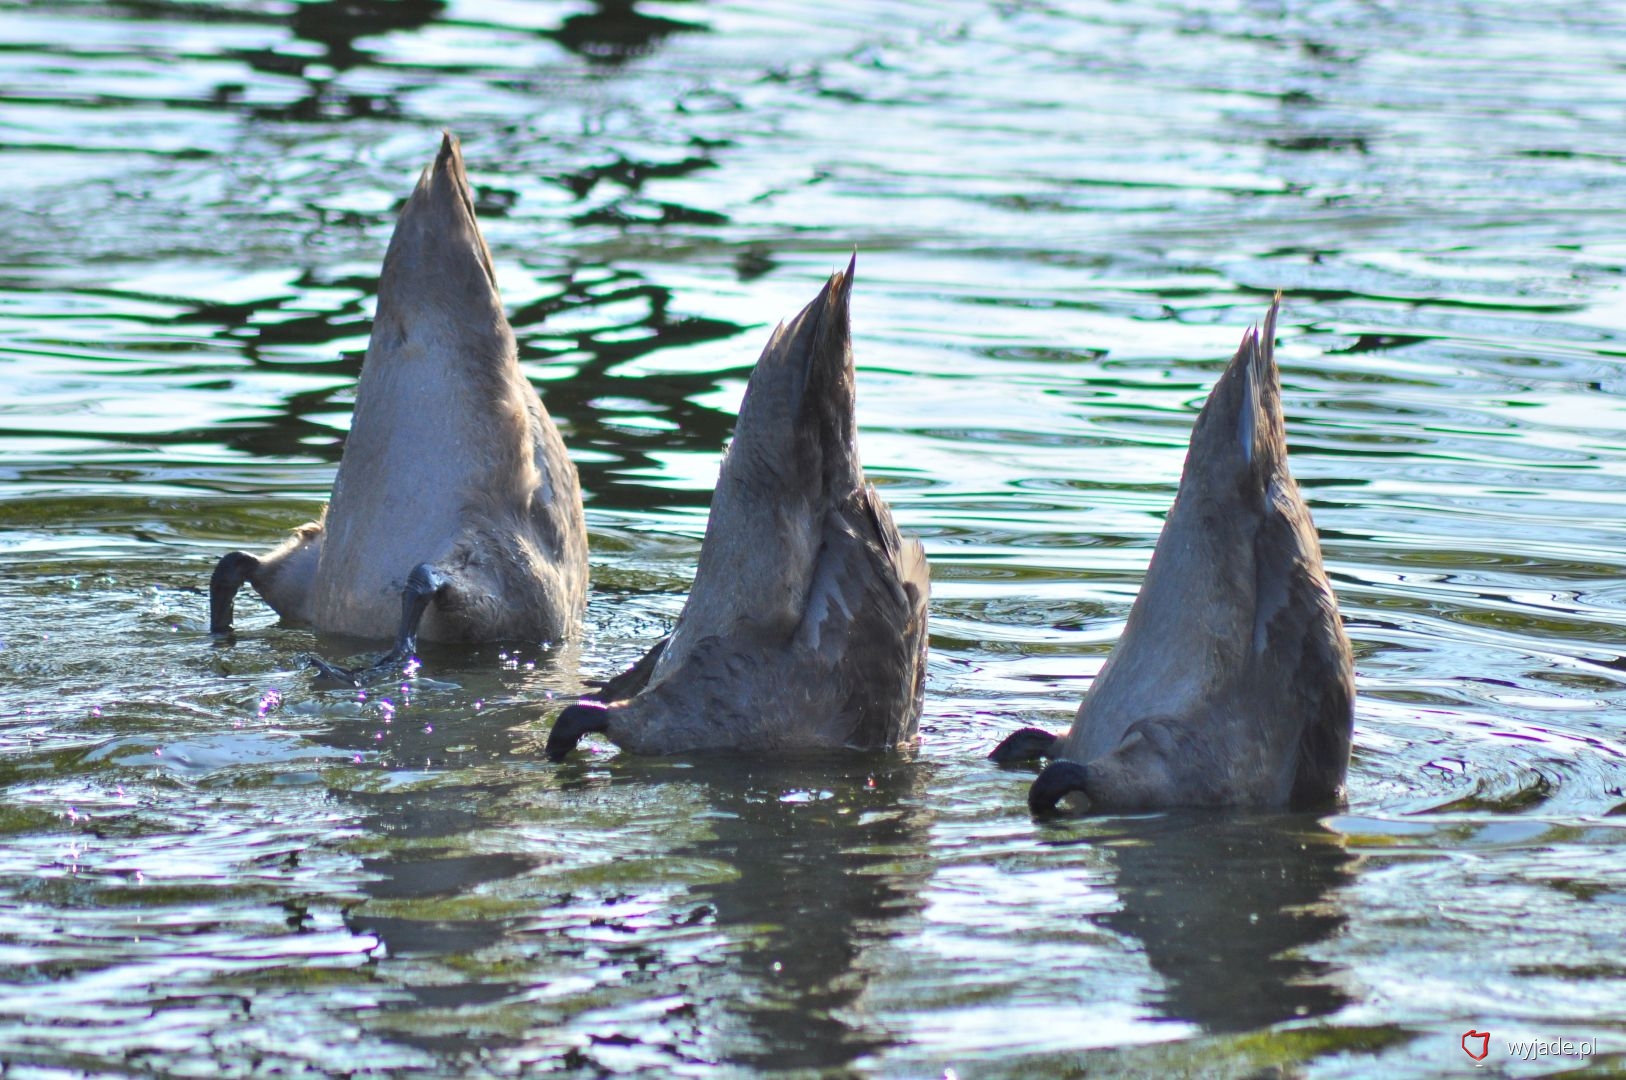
1065 216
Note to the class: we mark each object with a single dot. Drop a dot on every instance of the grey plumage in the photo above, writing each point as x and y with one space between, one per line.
451 464
1233 681
806 624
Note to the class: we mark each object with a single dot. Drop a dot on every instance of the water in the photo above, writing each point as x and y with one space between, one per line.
1064 215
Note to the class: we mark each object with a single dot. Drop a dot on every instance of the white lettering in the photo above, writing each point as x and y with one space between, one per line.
1531 1049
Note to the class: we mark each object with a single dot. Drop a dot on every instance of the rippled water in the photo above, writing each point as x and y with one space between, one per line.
1065 215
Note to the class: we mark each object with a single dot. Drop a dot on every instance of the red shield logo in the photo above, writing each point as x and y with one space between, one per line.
1482 1038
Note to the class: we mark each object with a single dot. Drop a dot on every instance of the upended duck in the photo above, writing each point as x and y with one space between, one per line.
456 514
1233 682
806 624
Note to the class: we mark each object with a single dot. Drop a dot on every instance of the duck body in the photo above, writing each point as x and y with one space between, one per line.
456 514
806 624
1233 681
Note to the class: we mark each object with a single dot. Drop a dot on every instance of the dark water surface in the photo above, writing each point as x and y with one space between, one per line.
1065 215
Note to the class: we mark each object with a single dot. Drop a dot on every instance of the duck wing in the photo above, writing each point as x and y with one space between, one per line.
1302 667
864 623
1301 656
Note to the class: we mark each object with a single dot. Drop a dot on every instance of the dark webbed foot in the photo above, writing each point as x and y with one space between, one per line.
423 585
1058 779
572 723
385 667
231 573
1025 744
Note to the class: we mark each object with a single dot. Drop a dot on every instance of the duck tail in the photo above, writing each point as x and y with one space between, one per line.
1260 430
830 392
1239 441
796 429
438 260
831 358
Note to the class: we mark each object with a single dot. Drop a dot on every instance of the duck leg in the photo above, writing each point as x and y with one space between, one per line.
573 722
232 572
1162 761
1024 744
423 585
1058 778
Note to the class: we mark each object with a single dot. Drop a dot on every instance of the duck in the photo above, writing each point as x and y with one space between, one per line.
1233 682
456 514
806 625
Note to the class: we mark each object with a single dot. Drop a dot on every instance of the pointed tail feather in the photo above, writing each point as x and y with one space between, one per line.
1239 436
437 258
1259 420
796 430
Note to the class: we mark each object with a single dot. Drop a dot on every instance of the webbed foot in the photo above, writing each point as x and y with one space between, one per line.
1024 744
1056 780
422 586
387 666
571 724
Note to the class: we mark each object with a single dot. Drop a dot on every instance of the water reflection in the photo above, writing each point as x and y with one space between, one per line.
822 864
615 31
611 34
611 318
596 401
423 872
1224 906
823 882
801 873
325 35
336 25
197 207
